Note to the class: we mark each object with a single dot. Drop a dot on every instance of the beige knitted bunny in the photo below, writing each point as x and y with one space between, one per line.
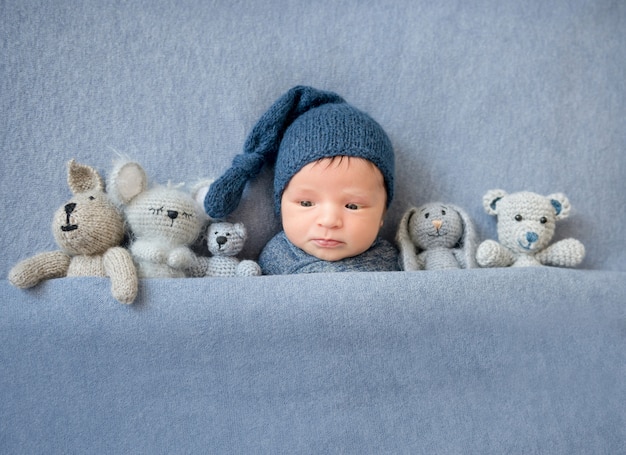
89 229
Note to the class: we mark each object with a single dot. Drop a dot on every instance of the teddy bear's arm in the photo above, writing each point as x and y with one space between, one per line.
44 266
119 266
248 268
199 267
491 254
564 253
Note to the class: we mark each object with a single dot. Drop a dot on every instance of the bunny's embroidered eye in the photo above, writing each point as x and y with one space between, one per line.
518 217
156 211
426 215
91 198
186 215
443 212
543 220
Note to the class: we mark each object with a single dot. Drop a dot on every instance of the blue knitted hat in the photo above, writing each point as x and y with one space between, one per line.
302 126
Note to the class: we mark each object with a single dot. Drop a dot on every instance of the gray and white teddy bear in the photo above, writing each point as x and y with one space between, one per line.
225 240
164 222
436 236
526 224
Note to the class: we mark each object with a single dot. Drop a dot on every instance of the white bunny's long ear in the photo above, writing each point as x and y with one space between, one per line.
468 242
126 181
408 252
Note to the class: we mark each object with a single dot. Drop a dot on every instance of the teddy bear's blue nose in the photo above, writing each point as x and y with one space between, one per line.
531 237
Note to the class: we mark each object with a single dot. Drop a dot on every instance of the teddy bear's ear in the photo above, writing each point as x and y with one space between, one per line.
408 253
490 201
82 178
240 229
561 205
127 181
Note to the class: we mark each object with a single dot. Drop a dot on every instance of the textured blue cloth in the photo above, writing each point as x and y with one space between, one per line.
281 257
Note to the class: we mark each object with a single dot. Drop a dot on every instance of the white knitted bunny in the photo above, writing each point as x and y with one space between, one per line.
164 222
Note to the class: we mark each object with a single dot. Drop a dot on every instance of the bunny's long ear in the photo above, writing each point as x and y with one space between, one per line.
408 252
126 181
81 178
468 242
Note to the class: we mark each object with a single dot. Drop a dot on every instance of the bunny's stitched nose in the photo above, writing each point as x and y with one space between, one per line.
437 224
172 214
67 227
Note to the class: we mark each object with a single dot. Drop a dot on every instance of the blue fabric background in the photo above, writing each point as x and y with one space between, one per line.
474 96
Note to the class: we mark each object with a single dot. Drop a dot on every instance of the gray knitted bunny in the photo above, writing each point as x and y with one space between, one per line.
436 236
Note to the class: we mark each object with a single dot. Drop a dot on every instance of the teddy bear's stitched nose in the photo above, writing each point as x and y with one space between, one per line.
531 237
221 240
437 224
69 208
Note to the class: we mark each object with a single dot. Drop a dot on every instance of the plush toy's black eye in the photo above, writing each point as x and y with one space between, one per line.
426 215
91 198
543 220
518 218
443 212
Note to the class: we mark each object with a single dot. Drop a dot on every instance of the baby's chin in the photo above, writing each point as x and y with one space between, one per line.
332 254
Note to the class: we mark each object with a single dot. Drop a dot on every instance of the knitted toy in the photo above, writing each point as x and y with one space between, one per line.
89 229
225 241
526 223
436 236
164 221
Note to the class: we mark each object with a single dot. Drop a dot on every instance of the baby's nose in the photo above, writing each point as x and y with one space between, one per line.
330 218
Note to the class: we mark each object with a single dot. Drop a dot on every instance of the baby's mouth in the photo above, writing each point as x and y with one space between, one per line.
327 243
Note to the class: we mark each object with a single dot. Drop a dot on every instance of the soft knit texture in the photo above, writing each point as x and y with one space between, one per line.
88 229
281 257
526 224
436 236
302 126
164 222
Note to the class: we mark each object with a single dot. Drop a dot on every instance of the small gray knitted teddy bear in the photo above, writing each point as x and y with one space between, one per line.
526 224
225 240
164 222
436 236
90 230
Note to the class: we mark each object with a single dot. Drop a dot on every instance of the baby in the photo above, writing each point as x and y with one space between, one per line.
333 182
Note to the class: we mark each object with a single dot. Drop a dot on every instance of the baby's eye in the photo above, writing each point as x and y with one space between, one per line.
352 206
543 220
518 218
306 203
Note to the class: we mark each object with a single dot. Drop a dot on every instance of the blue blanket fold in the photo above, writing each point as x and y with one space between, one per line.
477 361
